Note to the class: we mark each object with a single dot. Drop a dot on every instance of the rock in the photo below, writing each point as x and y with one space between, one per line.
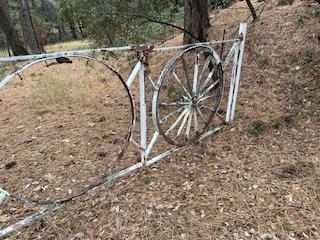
289 199
79 235
115 209
268 236
10 165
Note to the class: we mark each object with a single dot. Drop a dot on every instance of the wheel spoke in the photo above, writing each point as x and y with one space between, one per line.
185 118
178 120
164 119
208 78
176 78
200 113
195 120
173 103
196 75
205 67
186 73
189 122
209 88
206 98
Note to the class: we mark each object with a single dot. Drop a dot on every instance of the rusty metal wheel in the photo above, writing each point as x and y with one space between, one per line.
188 95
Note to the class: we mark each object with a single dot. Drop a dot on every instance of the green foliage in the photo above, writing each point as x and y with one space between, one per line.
142 31
290 2
317 10
220 3
115 22
308 58
222 232
256 128
302 20
287 226
147 179
285 2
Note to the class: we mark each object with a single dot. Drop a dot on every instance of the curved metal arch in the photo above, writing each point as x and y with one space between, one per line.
128 136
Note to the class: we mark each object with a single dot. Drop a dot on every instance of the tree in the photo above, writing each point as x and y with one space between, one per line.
67 13
28 28
252 10
196 20
7 27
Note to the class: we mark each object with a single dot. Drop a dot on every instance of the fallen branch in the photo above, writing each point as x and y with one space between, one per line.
150 19
252 10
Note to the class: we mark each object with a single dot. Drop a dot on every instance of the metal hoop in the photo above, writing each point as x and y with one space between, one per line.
121 153
190 96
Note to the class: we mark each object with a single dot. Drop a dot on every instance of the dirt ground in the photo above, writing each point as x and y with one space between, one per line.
63 126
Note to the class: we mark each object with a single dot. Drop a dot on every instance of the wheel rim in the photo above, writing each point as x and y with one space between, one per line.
188 95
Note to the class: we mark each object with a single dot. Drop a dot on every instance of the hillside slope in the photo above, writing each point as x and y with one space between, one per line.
256 179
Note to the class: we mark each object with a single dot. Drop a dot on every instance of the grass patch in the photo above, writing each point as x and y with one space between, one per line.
3 53
308 58
147 180
285 2
317 11
290 2
51 89
68 46
256 128
302 20
287 226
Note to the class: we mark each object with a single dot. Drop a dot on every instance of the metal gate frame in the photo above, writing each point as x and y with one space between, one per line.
236 53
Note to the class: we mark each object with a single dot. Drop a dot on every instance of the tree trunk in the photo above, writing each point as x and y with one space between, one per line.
8 50
7 27
176 5
196 20
252 10
73 31
63 36
83 34
204 11
37 23
28 27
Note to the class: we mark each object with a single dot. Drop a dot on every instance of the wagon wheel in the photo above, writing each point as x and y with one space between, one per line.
188 95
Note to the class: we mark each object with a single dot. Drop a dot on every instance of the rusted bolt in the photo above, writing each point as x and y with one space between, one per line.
142 48
241 37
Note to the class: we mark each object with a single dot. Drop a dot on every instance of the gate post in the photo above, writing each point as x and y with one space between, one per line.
143 109
236 71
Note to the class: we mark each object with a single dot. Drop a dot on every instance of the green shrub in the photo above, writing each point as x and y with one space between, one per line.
317 10
147 180
221 3
290 2
285 2
302 20
287 226
308 58
256 128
